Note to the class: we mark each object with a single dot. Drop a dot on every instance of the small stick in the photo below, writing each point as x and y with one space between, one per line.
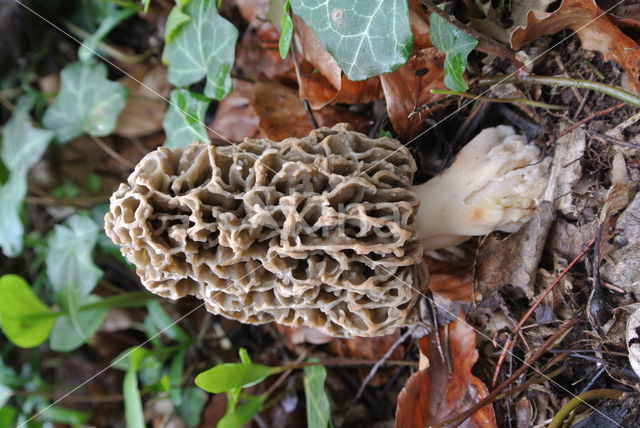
610 90
500 100
586 119
115 155
307 107
382 360
525 317
614 140
528 363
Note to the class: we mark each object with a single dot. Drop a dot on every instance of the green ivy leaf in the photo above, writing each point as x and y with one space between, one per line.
366 37
22 146
114 16
318 410
87 102
204 47
457 45
191 407
67 335
225 377
26 321
184 122
242 414
175 21
69 261
286 31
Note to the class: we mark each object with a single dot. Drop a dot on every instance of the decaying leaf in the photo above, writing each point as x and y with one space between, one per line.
446 388
235 118
145 108
595 29
519 10
451 276
257 53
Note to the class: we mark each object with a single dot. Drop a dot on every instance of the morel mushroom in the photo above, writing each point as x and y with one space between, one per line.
318 230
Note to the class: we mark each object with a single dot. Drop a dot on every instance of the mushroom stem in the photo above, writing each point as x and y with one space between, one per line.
494 183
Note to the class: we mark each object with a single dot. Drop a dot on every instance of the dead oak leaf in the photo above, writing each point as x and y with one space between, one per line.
595 30
433 395
235 118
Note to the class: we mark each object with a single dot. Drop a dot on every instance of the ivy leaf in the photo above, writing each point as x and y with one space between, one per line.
87 102
113 17
65 336
22 146
184 121
318 410
366 37
175 21
457 45
26 321
286 31
204 47
242 414
69 262
191 407
225 377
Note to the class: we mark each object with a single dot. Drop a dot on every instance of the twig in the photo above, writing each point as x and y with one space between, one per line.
485 43
305 101
610 90
586 119
528 363
576 401
500 100
108 150
381 361
507 346
614 140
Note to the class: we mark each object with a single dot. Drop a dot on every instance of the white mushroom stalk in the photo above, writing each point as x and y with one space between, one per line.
323 231
495 183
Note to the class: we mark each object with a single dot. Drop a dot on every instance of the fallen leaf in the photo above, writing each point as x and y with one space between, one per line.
252 10
321 81
298 335
433 395
633 340
145 108
452 279
624 14
235 118
595 29
410 86
257 53
520 9
281 112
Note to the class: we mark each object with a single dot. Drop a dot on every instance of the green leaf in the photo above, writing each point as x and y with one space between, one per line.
286 31
69 262
162 321
184 121
134 414
366 37
22 146
190 410
175 375
225 377
242 414
87 102
5 394
457 45
113 18
67 335
204 47
7 415
175 21
318 410
26 321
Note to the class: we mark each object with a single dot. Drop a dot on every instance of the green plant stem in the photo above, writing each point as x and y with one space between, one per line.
610 90
575 402
499 100
127 300
112 52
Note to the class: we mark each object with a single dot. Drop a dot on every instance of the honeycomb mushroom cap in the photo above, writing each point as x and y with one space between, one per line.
313 231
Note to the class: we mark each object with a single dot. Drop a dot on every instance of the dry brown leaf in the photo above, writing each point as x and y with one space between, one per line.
596 32
298 335
329 85
520 9
281 112
432 395
252 9
410 87
257 53
145 108
452 280
235 118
